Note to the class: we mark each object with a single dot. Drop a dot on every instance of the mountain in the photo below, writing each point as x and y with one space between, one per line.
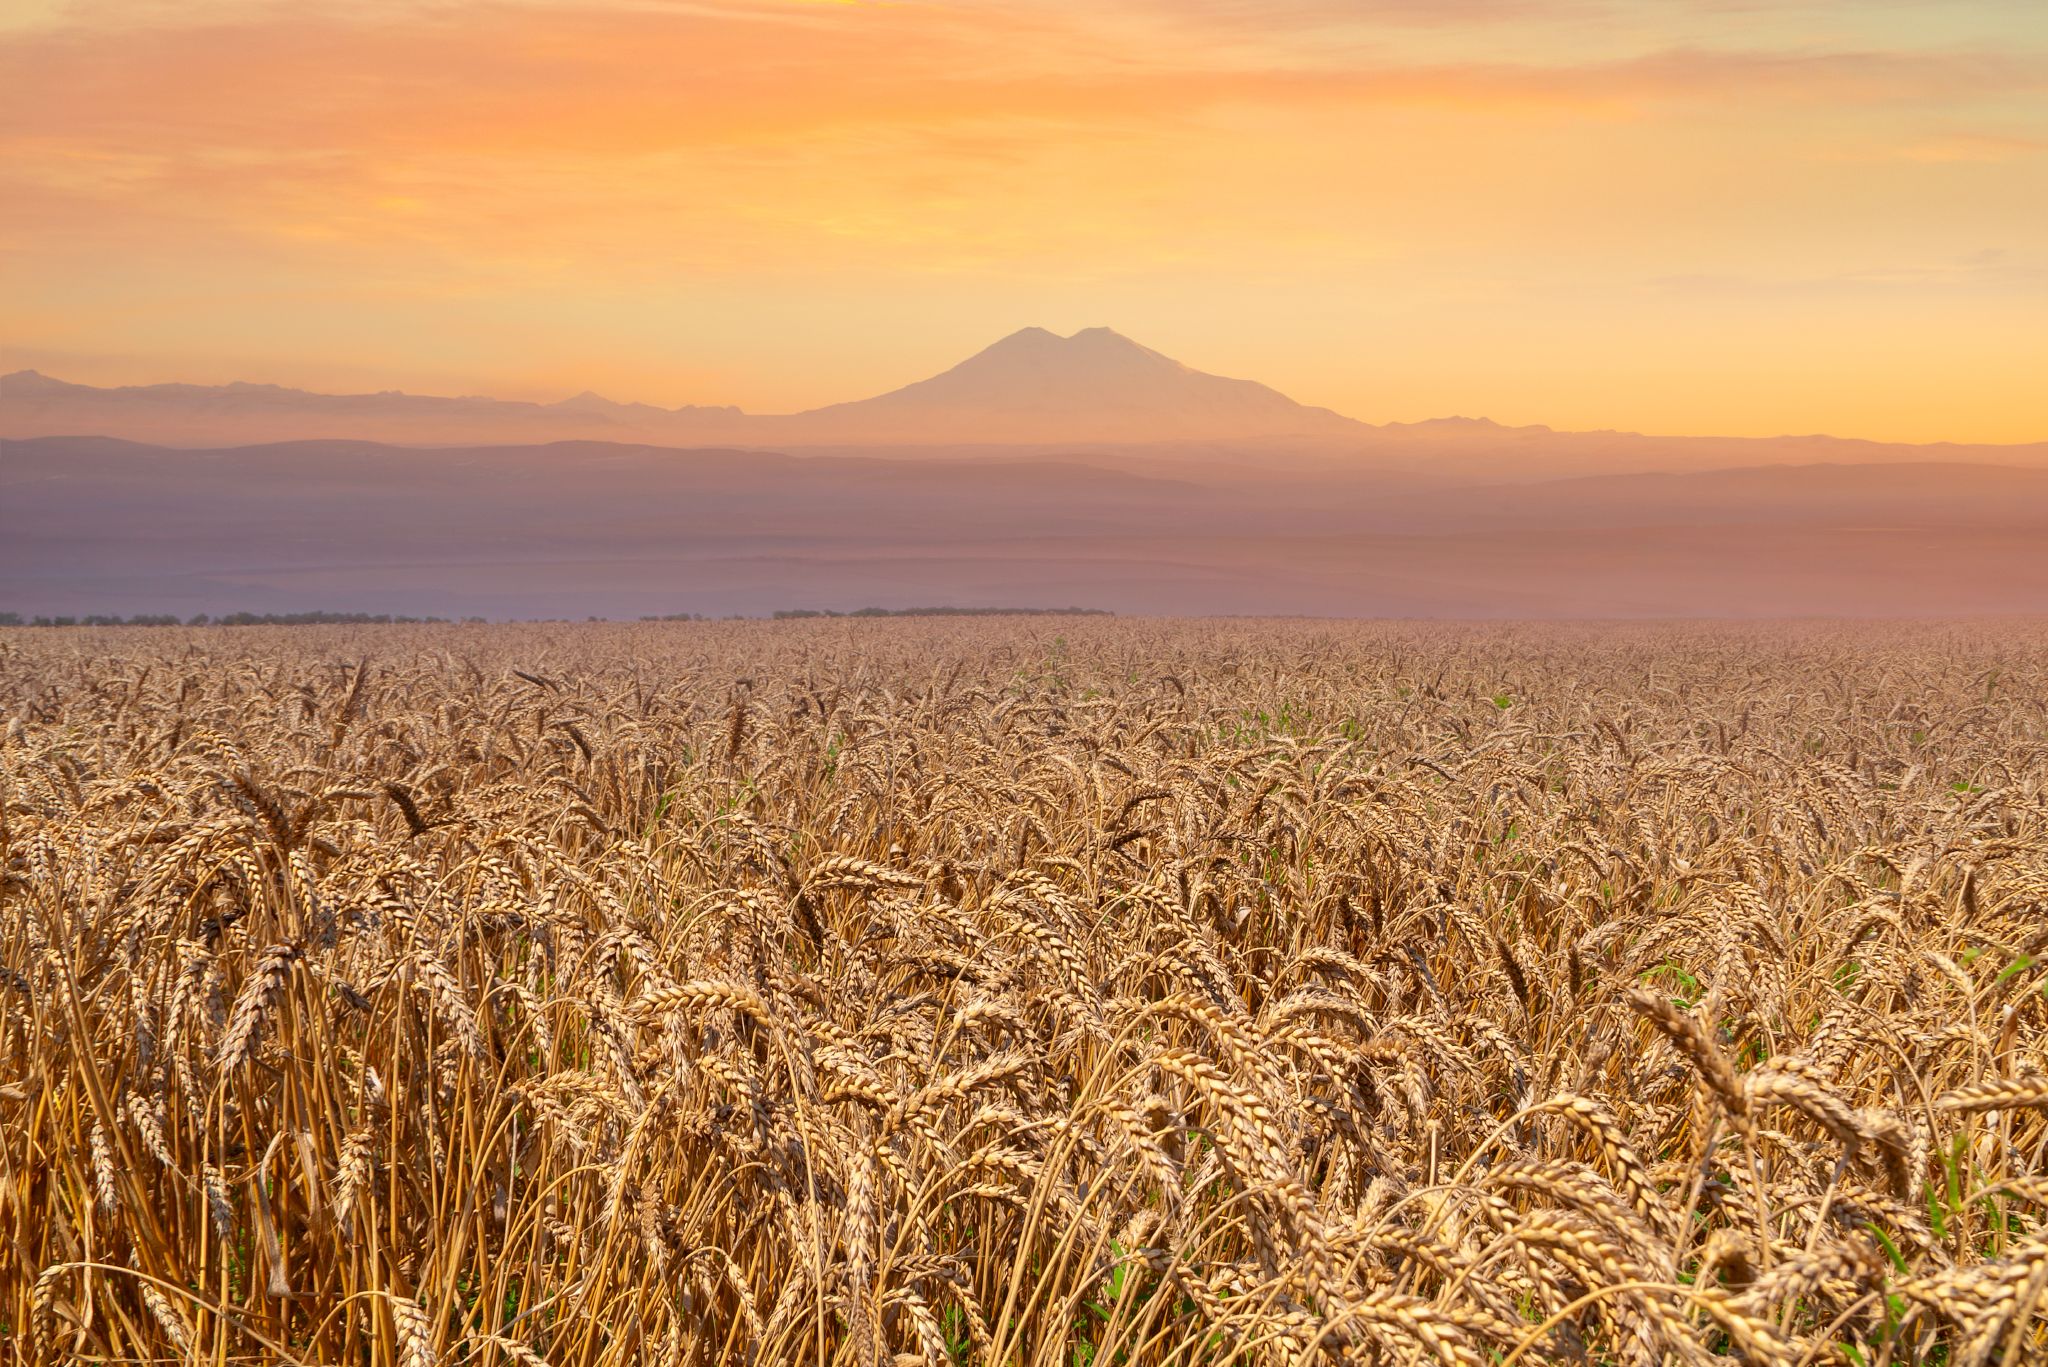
1032 387
1097 394
1095 386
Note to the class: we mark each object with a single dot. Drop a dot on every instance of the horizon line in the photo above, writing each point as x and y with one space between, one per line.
1029 330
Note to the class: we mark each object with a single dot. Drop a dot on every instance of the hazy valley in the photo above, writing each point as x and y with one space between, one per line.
1042 471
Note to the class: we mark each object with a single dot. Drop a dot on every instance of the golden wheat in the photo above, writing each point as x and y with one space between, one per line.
1024 992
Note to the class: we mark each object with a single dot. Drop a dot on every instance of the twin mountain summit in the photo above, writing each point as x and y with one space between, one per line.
1043 470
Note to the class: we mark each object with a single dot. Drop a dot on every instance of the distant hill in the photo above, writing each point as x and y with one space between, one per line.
1097 385
1906 494
1097 396
1031 387
32 404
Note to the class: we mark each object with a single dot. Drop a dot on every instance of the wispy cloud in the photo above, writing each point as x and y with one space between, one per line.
1530 158
1991 270
1972 147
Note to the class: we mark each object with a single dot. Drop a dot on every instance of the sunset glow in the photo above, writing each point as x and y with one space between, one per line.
1670 215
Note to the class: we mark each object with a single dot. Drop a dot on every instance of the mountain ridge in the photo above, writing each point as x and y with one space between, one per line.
1032 385
1031 390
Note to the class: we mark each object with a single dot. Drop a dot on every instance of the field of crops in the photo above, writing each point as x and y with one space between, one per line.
1024 991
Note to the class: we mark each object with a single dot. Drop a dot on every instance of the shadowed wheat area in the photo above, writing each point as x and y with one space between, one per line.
1024 992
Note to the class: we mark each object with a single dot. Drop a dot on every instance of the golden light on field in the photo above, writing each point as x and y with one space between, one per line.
1058 993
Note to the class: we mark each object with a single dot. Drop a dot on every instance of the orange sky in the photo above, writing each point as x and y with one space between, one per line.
1721 216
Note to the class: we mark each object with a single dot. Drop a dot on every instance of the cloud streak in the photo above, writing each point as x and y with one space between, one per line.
1533 158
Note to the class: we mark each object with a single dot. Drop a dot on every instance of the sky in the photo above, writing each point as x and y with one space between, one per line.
1702 216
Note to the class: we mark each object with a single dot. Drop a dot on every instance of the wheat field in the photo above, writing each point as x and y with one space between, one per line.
1061 993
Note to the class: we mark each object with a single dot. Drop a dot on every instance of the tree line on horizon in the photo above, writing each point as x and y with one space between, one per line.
230 619
294 619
